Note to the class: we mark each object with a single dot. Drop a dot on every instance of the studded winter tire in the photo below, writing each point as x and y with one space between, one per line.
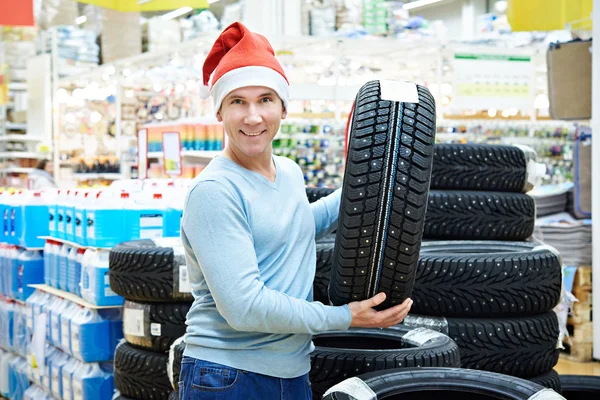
342 354
174 365
580 387
479 167
486 279
463 215
150 270
519 346
141 374
384 196
154 326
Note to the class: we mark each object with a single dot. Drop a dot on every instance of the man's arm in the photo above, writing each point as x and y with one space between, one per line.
326 211
217 230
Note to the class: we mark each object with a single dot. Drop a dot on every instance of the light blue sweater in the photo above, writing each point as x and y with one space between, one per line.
251 257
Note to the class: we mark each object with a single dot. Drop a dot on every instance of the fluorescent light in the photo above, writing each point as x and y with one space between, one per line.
176 13
80 20
419 3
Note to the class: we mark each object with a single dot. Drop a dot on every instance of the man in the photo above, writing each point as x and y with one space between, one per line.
249 236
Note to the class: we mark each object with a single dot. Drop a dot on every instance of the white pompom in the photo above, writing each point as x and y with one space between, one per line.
204 92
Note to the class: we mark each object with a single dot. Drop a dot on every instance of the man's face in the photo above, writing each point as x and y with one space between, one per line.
251 117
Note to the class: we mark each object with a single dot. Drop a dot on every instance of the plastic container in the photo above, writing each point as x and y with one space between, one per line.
68 370
5 360
30 272
50 309
95 334
95 285
47 253
147 215
62 200
13 275
172 226
105 219
58 362
83 202
16 217
70 271
74 278
36 304
70 205
21 334
53 259
93 382
63 260
8 218
34 209
18 380
65 326
3 270
35 392
7 325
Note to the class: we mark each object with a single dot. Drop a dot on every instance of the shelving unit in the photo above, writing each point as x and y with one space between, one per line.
70 296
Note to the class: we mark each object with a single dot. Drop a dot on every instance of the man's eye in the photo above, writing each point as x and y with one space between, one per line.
236 101
266 99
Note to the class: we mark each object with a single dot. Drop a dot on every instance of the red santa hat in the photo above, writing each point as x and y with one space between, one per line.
241 58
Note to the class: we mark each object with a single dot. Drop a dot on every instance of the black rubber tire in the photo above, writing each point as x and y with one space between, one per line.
315 194
141 374
480 167
163 323
384 197
580 387
524 347
342 354
486 279
174 365
465 215
444 383
323 272
142 270
549 380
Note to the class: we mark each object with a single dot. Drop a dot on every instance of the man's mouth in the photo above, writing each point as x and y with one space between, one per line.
252 133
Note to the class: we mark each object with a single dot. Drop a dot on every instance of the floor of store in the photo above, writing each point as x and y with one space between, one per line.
565 367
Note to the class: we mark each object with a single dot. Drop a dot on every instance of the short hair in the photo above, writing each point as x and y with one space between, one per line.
42 164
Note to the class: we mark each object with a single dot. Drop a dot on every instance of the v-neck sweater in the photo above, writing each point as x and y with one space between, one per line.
251 258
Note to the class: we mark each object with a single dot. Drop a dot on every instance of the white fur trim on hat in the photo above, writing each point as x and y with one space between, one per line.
249 76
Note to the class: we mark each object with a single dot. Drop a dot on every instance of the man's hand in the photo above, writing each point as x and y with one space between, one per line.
364 316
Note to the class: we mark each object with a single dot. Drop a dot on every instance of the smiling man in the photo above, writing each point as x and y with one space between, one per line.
249 237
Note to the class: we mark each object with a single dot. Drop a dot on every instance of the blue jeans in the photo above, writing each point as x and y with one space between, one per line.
203 380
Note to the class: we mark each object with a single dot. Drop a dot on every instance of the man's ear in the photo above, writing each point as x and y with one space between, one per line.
283 112
219 117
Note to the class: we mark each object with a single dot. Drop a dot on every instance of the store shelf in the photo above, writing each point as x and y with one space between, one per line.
23 154
107 176
188 153
73 244
17 170
17 86
15 126
19 138
70 297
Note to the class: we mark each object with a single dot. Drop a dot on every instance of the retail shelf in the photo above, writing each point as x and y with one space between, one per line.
23 154
107 176
19 138
15 126
188 153
21 86
73 244
70 296
17 170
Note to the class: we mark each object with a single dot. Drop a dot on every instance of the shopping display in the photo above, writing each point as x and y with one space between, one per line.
462 145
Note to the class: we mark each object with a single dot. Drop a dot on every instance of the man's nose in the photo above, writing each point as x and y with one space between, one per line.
253 117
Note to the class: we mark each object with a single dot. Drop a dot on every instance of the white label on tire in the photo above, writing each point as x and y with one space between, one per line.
133 322
155 329
402 92
354 387
420 336
184 281
546 394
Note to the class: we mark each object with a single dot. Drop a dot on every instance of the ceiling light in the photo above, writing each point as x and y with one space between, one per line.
176 13
419 3
80 20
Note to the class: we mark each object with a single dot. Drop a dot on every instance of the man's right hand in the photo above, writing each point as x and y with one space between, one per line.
364 316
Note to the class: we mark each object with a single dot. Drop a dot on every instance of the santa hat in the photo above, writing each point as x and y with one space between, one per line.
241 58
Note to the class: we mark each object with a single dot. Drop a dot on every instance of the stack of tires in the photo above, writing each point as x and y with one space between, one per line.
151 275
377 242
484 285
